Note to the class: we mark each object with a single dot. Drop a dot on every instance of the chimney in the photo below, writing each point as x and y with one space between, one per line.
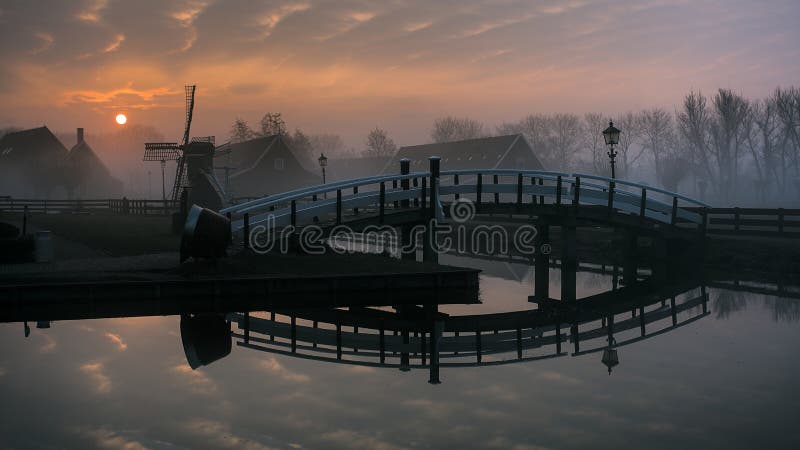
80 135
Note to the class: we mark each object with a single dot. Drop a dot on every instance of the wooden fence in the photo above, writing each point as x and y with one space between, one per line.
117 206
765 222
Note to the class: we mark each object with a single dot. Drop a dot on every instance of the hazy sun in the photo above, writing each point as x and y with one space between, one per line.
121 119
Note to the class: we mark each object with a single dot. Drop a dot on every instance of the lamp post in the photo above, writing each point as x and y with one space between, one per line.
611 136
323 161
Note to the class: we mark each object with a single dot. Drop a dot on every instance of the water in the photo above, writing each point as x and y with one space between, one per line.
725 380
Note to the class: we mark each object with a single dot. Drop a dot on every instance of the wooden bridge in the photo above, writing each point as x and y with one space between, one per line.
417 197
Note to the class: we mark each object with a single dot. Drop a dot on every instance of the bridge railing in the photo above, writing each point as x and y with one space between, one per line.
559 188
379 194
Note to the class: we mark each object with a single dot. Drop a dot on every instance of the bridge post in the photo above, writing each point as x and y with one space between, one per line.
405 169
430 247
541 265
569 259
630 253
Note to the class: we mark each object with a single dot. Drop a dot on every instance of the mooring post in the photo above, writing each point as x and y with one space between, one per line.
404 360
542 262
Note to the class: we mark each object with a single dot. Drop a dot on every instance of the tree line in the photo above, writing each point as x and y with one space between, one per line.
719 147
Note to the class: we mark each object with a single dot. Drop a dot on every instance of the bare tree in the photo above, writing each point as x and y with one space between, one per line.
272 124
727 135
659 139
448 129
301 145
629 137
762 135
594 124
379 143
564 139
787 104
329 144
240 131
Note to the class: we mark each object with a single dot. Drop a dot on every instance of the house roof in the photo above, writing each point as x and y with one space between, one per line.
481 153
245 155
83 158
29 144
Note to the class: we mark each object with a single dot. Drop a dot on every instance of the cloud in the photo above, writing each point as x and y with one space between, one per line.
194 380
107 439
96 373
46 39
92 11
273 366
354 440
114 45
117 340
272 18
219 435
49 344
187 15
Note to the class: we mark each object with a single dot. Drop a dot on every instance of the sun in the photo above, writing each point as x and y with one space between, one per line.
121 119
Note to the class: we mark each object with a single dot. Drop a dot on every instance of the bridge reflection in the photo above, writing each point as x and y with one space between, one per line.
422 338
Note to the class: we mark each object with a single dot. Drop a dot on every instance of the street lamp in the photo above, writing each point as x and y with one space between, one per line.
611 135
323 161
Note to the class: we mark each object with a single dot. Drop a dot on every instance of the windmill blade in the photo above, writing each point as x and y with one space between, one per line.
161 151
189 110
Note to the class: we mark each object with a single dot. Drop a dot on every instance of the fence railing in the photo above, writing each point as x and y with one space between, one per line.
766 222
379 194
118 206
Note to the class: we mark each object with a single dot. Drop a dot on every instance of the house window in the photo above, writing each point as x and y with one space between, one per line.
279 164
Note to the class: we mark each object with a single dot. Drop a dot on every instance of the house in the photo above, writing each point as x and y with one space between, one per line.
85 175
340 169
31 164
497 152
261 166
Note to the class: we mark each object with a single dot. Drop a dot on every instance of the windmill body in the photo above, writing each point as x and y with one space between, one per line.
194 163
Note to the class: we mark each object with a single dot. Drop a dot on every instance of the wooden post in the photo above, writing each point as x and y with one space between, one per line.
478 344
519 192
569 260
643 205
541 197
736 219
338 206
338 341
24 220
496 194
416 185
405 169
382 200
479 193
576 198
355 192
246 237
541 265
558 190
382 343
424 194
533 196
247 327
455 183
674 210
294 333
395 204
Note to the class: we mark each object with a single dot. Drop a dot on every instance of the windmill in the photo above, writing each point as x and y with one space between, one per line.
173 151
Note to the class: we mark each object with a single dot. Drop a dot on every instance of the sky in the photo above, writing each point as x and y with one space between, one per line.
348 66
